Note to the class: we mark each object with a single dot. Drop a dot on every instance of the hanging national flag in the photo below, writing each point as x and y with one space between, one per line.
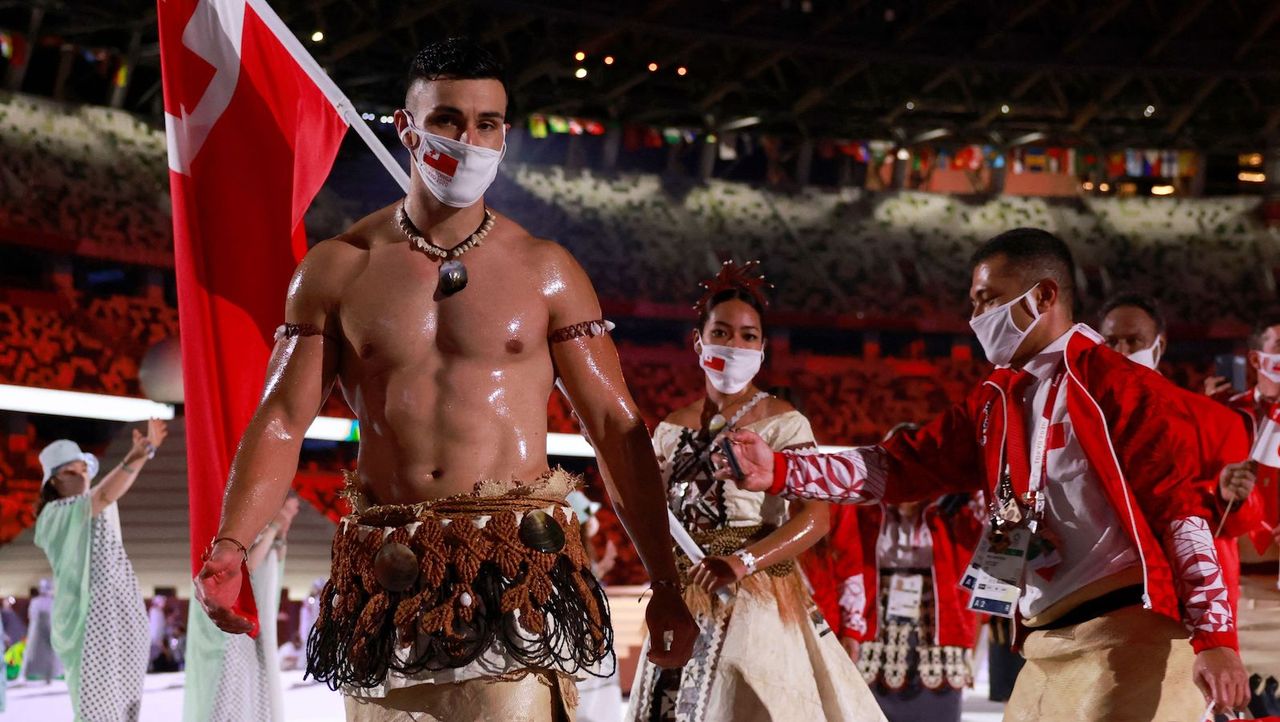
1187 163
252 133
1133 163
537 126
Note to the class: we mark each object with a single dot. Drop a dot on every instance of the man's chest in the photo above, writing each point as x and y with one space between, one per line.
395 313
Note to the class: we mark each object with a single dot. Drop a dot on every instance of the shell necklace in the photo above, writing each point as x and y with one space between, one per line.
453 275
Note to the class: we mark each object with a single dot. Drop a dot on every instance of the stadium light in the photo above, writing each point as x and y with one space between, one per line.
32 400
579 56
1149 111
1004 108
317 36
608 60
104 407
682 70
741 123
580 73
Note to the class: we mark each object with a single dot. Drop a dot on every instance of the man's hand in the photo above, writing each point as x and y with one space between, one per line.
218 586
1222 679
712 573
668 620
755 458
1236 481
852 647
1217 386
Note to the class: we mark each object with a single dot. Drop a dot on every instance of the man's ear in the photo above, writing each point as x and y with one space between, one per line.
401 120
1047 294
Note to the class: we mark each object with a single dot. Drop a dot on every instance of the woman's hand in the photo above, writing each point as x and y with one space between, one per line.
713 573
144 445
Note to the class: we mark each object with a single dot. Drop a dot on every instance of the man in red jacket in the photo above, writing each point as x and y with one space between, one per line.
1100 518
1254 404
1133 325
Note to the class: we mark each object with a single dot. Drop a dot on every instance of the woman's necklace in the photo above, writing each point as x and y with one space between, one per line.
453 275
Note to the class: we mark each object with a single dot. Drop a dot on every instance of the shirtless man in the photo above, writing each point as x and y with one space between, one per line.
450 386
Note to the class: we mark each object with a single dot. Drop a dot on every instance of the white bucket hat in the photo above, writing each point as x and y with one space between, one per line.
65 451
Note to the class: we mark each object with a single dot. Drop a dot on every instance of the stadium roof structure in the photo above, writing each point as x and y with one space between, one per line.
1201 74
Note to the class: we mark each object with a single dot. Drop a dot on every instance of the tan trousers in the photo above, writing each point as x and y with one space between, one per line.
1131 665
533 698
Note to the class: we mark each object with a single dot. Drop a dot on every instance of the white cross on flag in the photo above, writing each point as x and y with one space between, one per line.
252 136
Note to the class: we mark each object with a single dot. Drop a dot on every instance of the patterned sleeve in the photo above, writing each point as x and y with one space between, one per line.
856 476
1201 588
943 457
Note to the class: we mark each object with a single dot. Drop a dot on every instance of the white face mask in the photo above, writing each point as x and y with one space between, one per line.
456 173
1269 365
1149 357
998 334
729 369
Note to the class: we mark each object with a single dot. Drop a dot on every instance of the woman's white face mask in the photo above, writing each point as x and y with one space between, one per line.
999 335
729 369
456 173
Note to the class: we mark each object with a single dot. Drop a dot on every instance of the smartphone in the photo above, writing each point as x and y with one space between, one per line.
727 449
1234 369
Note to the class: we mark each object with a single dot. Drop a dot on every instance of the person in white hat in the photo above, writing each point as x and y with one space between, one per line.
99 625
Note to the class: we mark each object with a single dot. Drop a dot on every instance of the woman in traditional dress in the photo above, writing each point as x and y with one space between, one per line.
234 677
99 625
765 652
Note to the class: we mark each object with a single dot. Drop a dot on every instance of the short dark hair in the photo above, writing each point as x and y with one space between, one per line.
1034 249
455 59
1267 319
1140 301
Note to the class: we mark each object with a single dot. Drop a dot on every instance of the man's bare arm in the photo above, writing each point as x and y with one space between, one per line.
300 375
592 376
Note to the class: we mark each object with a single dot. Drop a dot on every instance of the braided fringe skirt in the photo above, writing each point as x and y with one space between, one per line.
491 585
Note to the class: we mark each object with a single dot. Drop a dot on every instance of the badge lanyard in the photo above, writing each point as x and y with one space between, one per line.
1038 477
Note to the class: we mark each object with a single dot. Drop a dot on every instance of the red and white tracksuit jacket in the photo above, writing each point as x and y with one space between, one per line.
1138 437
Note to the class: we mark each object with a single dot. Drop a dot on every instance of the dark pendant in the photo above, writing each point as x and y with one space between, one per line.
453 277
539 530
395 566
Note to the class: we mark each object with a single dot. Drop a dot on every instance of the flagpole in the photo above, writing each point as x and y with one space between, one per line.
330 89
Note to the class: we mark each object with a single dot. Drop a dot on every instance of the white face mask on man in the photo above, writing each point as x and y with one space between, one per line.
999 335
456 173
1149 357
1269 365
729 369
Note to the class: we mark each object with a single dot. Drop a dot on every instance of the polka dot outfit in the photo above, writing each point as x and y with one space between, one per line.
117 639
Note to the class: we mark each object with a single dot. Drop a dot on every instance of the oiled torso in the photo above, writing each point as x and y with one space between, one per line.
449 391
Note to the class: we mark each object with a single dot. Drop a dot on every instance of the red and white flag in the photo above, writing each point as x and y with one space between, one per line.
1266 451
252 136
1266 447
